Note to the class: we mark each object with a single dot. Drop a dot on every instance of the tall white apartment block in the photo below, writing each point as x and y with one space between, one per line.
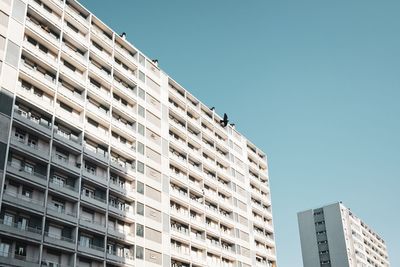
332 236
107 161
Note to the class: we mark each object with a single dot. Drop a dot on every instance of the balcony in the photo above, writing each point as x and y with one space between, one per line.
72 96
68 140
43 79
78 36
95 200
31 149
179 125
97 154
178 175
180 194
73 75
99 112
129 92
81 59
62 214
59 241
43 33
95 178
122 211
18 200
76 16
64 188
128 129
72 118
122 259
11 259
66 164
92 250
43 56
178 157
100 92
177 109
123 167
179 212
25 232
100 34
52 17
121 235
128 110
128 149
125 53
101 54
98 132
101 73
38 124
128 73
92 224
25 174
181 251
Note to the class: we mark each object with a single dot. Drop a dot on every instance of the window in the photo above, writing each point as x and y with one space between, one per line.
58 180
141 111
12 55
142 60
33 141
85 241
3 23
140 129
140 187
58 205
140 148
140 166
4 249
139 252
2 44
142 93
23 223
88 192
8 219
29 168
139 230
140 208
20 135
26 192
18 11
20 250
142 76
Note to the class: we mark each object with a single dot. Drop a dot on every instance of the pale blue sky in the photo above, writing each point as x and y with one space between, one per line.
315 84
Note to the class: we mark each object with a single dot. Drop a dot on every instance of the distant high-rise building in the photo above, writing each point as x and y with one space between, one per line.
107 161
332 236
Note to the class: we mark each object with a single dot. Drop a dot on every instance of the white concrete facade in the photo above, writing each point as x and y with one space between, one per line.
107 161
332 236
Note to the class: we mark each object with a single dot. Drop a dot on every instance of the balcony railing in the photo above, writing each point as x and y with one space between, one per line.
74 54
46 35
25 198
50 16
42 78
46 57
22 228
76 16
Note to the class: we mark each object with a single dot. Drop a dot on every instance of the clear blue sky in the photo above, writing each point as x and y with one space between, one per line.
315 84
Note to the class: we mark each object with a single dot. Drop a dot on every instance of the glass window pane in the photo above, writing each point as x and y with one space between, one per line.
12 55
18 11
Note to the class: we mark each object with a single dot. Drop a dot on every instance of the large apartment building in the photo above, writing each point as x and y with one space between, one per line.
107 161
332 236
